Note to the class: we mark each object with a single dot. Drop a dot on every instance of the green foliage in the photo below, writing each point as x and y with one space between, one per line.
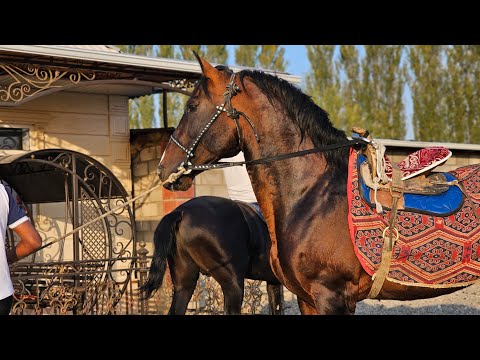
462 93
322 83
214 53
141 110
428 82
382 91
359 91
349 67
269 57
246 55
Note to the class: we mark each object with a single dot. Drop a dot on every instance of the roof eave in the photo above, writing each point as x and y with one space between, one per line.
121 59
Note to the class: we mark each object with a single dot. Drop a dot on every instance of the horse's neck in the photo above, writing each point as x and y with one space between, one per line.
280 185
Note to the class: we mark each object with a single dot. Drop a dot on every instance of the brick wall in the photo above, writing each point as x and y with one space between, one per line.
147 147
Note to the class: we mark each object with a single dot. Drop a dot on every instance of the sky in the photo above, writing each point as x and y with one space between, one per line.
296 56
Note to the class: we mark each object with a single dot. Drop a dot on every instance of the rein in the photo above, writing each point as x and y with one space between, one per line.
221 165
227 107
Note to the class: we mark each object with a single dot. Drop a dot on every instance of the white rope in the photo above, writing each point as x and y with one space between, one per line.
171 179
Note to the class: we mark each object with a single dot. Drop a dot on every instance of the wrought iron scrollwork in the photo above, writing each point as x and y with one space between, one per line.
29 80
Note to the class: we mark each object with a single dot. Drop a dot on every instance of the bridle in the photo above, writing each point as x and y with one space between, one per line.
227 107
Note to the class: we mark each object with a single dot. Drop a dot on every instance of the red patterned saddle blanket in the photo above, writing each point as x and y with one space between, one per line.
431 251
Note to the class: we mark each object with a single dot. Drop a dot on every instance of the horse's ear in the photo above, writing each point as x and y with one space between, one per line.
208 69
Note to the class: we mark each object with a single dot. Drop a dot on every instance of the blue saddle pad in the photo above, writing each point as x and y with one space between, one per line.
443 204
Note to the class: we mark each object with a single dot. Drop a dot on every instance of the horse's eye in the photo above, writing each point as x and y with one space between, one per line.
191 107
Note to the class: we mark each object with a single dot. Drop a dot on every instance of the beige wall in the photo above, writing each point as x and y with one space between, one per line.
95 125
92 124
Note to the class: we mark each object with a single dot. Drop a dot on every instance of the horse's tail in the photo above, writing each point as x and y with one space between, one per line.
165 244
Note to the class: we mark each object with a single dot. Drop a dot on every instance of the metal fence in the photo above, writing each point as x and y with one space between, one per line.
92 288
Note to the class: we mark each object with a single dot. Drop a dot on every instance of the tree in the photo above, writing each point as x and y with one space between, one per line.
269 57
173 101
462 93
322 82
427 84
383 81
246 55
142 108
348 67
217 53
213 53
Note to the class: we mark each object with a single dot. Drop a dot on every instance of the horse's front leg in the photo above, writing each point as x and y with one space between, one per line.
306 309
333 297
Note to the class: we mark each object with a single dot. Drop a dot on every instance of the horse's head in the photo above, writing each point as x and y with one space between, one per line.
208 129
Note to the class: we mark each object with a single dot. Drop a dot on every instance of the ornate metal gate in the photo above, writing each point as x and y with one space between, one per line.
87 272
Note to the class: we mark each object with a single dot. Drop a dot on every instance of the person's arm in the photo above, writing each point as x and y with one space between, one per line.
30 241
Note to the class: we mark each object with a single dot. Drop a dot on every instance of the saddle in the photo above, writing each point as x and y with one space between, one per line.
410 176
393 185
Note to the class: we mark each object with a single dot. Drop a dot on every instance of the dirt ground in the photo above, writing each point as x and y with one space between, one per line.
461 302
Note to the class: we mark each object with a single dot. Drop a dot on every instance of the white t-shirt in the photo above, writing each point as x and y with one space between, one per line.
11 215
238 182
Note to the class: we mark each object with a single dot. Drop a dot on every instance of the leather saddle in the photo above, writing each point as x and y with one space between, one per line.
417 188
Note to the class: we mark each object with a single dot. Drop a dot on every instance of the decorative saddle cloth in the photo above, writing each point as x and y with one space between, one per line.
431 251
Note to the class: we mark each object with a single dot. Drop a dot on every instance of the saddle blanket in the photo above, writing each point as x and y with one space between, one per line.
431 251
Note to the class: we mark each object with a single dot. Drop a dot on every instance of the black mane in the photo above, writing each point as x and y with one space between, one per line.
309 117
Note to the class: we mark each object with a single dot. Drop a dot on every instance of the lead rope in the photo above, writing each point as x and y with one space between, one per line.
171 179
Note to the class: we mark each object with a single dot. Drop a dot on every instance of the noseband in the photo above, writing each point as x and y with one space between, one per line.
227 107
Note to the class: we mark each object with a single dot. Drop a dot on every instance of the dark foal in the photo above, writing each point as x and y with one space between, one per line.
215 236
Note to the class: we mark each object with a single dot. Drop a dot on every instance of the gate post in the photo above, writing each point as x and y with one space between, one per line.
142 262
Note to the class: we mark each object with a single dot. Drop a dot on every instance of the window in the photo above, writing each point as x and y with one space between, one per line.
13 139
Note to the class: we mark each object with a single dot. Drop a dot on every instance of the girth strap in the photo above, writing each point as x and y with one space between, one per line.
379 277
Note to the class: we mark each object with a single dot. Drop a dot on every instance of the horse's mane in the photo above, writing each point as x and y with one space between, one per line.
300 108
310 118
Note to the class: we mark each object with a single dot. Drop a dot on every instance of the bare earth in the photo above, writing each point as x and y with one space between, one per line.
461 302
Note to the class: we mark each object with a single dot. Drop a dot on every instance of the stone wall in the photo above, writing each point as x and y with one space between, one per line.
147 147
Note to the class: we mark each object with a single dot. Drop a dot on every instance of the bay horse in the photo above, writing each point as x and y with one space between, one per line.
215 236
304 199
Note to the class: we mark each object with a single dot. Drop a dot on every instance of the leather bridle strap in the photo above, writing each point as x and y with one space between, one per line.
227 107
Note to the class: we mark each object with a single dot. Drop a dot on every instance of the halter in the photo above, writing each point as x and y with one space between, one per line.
227 107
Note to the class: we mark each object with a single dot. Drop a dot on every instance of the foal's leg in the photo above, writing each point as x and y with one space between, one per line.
275 293
232 282
184 274
233 297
